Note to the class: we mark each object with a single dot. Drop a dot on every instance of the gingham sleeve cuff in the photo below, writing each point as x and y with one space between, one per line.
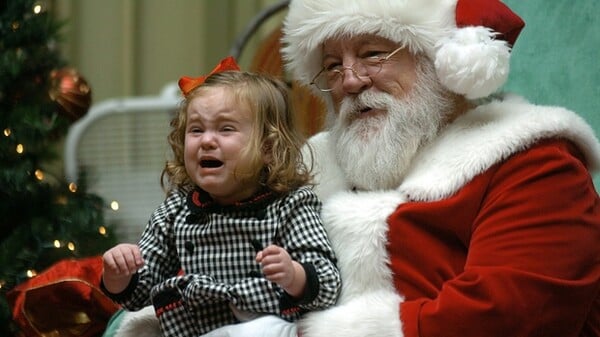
290 304
123 295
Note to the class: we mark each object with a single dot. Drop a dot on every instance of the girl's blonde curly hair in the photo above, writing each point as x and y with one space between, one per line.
275 135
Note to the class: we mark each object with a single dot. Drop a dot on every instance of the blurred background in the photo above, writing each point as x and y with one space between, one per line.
134 47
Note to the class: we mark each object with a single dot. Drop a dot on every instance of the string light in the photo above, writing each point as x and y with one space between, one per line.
37 8
114 205
39 174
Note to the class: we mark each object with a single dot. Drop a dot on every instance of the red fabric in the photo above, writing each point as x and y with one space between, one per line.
533 262
65 300
492 14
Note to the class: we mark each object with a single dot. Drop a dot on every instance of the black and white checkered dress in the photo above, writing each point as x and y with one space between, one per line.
199 260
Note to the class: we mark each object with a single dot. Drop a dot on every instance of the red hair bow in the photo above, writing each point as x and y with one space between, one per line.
187 84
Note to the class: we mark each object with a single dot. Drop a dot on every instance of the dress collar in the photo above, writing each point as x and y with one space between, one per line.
199 201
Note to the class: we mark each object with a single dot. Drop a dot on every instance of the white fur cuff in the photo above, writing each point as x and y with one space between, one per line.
371 314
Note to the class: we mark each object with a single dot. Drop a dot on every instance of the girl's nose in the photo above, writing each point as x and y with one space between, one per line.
208 140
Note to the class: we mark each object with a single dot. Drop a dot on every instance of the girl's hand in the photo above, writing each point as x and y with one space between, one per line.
120 263
279 267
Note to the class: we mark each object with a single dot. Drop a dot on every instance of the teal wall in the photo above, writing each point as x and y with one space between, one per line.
556 60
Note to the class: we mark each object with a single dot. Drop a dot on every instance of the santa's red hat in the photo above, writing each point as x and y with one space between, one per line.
469 41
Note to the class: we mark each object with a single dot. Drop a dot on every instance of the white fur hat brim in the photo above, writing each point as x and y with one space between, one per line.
468 60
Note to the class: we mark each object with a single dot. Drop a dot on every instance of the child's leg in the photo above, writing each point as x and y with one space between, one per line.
264 326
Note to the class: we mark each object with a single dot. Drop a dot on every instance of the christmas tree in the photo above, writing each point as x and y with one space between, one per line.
43 218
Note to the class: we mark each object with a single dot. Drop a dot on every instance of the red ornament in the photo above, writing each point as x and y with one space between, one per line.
71 92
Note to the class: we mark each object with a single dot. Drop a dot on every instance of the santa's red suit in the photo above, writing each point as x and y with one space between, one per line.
494 232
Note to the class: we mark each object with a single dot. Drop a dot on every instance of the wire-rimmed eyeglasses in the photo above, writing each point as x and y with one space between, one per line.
329 78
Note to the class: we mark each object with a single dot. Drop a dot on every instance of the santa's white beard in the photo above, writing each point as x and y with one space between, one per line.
375 152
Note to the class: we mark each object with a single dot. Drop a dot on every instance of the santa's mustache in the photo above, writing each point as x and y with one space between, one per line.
352 107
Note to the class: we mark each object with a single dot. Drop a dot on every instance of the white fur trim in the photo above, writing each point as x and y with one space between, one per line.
368 304
265 326
372 314
472 62
419 25
357 226
487 135
327 172
142 323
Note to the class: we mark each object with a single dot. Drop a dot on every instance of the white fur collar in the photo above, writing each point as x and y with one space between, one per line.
489 134
368 304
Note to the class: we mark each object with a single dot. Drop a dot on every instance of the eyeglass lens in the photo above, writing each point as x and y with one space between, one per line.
328 79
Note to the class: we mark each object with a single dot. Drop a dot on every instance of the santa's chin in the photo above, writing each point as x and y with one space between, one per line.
367 152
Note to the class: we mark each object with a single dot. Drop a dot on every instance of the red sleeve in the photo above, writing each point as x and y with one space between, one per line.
533 262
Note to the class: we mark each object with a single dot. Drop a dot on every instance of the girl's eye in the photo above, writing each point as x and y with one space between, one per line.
228 128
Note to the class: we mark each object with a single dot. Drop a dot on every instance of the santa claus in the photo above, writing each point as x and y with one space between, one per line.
454 210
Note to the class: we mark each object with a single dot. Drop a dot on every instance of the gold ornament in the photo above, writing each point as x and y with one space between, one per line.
71 92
